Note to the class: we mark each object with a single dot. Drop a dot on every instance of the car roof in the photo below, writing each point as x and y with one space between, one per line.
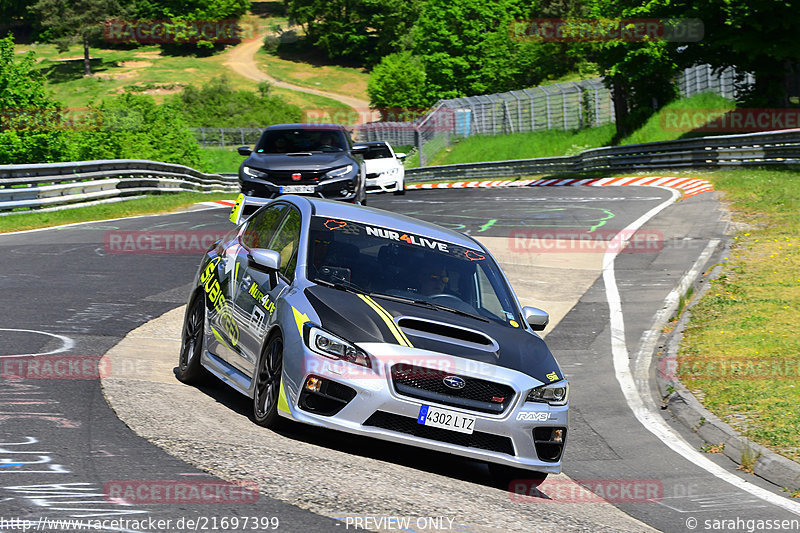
387 219
307 126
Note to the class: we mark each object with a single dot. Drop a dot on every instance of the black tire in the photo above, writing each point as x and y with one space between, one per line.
364 195
192 342
503 476
268 383
402 190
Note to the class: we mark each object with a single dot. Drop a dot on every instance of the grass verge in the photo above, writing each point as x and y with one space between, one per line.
741 352
524 145
150 205
215 160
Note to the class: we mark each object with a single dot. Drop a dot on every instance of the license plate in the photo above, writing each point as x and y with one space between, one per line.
302 189
441 418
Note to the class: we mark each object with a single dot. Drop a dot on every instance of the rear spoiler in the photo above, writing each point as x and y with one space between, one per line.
246 206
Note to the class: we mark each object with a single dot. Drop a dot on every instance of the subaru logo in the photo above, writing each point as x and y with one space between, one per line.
454 382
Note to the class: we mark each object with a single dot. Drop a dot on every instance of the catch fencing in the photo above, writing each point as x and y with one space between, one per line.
564 106
226 137
768 149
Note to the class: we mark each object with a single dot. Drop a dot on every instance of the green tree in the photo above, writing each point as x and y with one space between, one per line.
398 83
359 30
31 130
217 104
641 73
754 37
77 21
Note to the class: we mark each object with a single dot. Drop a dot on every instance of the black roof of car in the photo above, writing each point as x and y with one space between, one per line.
308 125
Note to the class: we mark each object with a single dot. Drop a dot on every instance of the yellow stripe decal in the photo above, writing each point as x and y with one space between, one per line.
384 314
300 319
283 403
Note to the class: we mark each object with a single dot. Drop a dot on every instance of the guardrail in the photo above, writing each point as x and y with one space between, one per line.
61 185
778 148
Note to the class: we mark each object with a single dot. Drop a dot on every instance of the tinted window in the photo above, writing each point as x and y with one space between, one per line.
395 263
378 152
285 242
261 226
301 140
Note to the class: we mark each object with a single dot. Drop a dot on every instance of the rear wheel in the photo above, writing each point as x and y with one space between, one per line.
192 341
268 383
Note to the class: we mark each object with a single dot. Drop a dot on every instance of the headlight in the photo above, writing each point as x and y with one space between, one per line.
338 172
390 172
330 345
554 394
253 172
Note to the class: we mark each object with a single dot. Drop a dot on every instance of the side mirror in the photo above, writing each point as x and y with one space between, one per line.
265 259
535 317
400 155
244 150
359 149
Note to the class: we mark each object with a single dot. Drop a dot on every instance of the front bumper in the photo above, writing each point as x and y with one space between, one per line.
384 184
377 410
345 188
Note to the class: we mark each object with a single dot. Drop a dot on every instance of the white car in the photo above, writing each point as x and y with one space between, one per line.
385 172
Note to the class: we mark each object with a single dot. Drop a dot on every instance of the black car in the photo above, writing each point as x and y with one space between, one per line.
310 159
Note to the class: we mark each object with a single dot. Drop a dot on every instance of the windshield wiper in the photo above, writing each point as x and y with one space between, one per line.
428 304
349 287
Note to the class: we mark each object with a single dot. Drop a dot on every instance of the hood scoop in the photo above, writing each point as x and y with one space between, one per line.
442 332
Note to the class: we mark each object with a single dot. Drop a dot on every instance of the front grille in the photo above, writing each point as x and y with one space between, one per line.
372 175
428 384
409 426
284 177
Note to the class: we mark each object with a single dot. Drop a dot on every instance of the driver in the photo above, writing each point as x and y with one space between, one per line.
433 280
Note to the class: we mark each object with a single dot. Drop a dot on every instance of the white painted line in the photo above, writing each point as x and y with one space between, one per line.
66 343
644 411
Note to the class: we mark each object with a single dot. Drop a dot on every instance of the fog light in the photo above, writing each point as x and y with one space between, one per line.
558 436
343 192
313 384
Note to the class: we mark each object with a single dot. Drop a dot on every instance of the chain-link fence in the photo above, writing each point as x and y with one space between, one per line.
702 78
565 106
226 137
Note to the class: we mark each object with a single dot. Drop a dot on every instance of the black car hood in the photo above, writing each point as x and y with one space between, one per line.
313 161
349 316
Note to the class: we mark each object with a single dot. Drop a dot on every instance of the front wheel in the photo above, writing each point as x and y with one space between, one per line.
401 189
192 339
268 383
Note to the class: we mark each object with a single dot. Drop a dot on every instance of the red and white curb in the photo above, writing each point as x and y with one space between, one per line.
218 203
687 186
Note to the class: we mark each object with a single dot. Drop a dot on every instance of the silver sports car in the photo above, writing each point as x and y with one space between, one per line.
364 321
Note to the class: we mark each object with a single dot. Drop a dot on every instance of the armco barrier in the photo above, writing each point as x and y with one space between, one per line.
71 184
62 185
775 148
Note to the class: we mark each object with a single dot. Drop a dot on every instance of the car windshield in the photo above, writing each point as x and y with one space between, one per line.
378 152
301 140
401 265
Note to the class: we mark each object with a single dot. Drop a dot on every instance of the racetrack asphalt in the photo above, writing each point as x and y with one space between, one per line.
65 282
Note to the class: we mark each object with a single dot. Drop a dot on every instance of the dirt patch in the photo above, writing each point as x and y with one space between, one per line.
135 64
149 54
116 75
190 69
